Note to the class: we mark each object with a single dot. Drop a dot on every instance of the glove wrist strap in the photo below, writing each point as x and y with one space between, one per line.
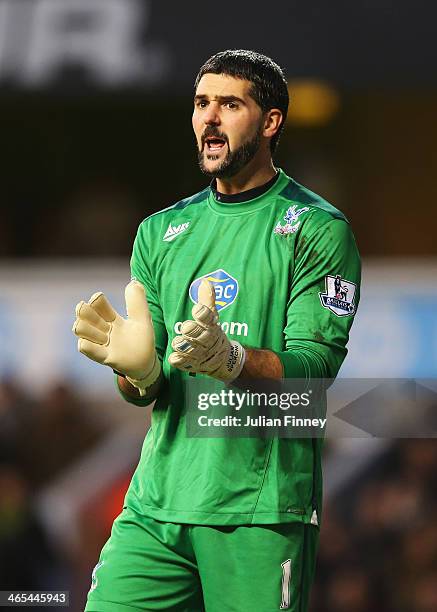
143 384
242 358
234 364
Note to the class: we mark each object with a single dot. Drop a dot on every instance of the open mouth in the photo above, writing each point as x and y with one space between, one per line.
214 144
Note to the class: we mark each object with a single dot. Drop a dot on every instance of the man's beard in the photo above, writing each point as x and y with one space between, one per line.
234 160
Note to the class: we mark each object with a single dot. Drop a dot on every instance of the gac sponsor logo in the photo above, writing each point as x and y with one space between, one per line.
225 287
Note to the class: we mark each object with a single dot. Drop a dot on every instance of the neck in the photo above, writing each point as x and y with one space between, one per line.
251 176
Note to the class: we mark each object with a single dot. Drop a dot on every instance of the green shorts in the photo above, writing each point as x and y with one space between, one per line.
150 565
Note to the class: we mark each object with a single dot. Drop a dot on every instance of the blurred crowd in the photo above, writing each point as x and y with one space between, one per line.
39 440
98 219
378 549
40 437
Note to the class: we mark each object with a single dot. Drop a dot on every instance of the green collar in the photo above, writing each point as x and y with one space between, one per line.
251 205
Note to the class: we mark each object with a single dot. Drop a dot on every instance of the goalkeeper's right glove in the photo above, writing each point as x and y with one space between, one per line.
126 345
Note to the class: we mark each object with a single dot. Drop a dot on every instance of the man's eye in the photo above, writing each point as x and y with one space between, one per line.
231 105
201 104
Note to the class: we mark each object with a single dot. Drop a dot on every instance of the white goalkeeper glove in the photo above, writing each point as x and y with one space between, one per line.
203 346
126 345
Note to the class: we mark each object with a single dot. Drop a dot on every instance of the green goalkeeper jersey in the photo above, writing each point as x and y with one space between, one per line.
286 272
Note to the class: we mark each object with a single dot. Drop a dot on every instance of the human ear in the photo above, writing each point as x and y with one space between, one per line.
273 122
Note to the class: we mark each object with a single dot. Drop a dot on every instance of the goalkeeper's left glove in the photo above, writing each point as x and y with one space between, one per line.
126 345
203 346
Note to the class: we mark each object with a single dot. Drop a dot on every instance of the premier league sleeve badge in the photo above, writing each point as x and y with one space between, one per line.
339 296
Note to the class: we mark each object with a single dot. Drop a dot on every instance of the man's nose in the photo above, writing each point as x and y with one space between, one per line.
212 116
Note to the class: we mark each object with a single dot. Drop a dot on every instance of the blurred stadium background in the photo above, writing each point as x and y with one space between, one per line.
95 105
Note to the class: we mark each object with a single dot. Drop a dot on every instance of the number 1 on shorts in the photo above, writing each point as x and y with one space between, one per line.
286 576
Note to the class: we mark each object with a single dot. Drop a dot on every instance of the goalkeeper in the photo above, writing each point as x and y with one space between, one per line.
236 282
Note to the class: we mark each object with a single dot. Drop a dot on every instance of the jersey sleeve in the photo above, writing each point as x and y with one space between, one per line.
140 270
324 296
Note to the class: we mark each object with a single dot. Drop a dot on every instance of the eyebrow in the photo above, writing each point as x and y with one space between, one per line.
229 98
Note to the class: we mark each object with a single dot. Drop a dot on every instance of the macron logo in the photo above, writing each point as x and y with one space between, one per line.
173 231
